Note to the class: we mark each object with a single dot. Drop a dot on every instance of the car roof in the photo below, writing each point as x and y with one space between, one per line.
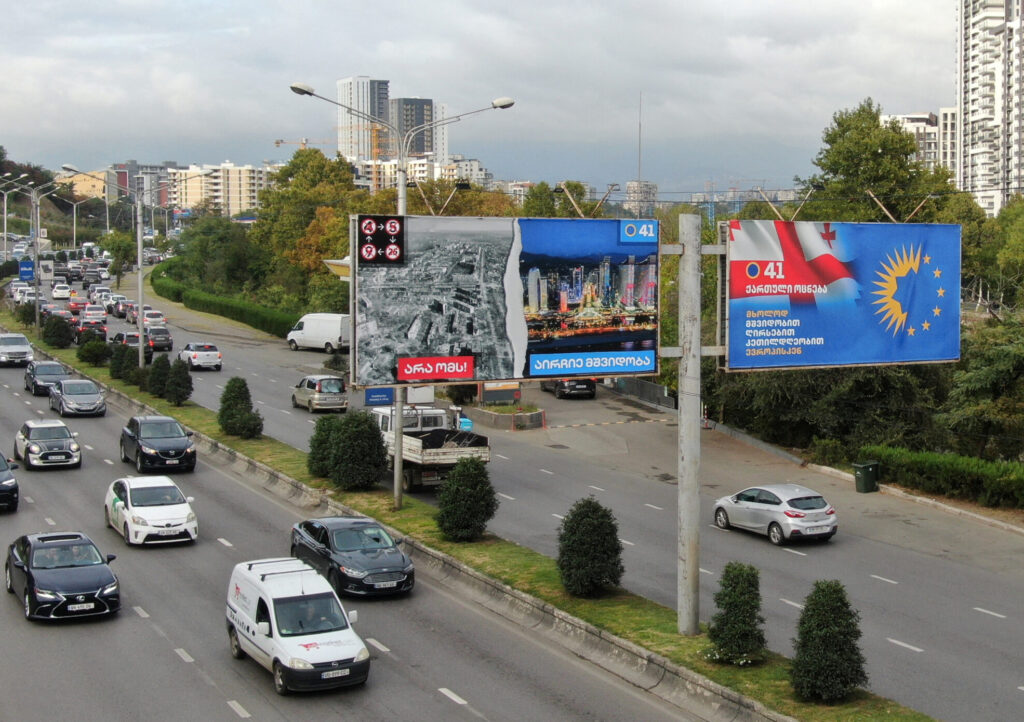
321 377
145 482
60 537
155 418
788 491
346 522
44 423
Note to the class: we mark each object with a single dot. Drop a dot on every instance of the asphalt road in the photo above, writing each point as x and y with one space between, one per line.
436 656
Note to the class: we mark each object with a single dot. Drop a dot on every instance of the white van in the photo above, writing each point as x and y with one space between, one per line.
329 331
286 616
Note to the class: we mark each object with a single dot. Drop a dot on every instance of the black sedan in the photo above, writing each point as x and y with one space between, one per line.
60 575
77 397
8 485
157 442
41 375
355 554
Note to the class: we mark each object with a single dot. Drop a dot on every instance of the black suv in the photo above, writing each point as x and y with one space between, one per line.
41 375
157 442
159 338
90 324
570 387
131 338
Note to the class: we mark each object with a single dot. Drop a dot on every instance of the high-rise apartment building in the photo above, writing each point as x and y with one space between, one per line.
233 189
368 96
641 197
947 138
990 83
925 129
408 113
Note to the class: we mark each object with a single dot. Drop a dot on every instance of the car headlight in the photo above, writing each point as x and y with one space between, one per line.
44 595
33 448
191 517
296 663
9 482
111 588
191 449
139 521
350 572
75 447
147 450
363 655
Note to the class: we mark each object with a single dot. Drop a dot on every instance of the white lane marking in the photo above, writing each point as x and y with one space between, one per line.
184 655
994 614
794 551
260 402
141 612
224 541
451 695
39 411
29 500
218 386
705 571
108 461
715 526
6 386
50 521
548 472
310 421
286 412
28 403
558 516
1021 689
898 643
627 543
88 447
273 381
596 488
652 506
238 709
502 457
374 643
791 603
883 579
506 496
16 394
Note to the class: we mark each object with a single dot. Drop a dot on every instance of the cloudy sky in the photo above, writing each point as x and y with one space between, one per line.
734 93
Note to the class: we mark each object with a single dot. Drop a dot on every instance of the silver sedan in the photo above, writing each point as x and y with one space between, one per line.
781 511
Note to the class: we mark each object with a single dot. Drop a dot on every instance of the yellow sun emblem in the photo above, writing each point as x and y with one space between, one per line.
899 266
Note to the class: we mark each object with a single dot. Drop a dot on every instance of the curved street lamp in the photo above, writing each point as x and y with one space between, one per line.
12 181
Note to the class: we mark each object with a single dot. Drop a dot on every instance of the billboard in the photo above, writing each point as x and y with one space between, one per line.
806 294
462 300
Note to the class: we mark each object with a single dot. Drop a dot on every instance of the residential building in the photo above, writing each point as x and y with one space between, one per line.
925 129
947 138
641 197
233 189
408 113
467 169
369 97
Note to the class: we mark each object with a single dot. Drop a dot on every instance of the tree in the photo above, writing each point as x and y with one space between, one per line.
828 664
25 313
236 415
178 388
589 550
156 382
359 458
121 359
736 631
321 445
57 332
123 253
466 502
93 352
540 202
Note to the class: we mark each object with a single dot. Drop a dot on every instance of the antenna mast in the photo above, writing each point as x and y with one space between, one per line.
640 139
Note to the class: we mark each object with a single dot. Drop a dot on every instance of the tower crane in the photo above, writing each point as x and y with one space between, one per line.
303 142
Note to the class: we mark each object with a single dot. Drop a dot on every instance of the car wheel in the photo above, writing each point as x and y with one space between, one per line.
29 466
16 454
27 605
217 367
7 578
13 507
329 347
559 394
78 465
775 535
293 346
295 404
124 456
138 462
309 405
106 516
62 410
190 366
127 535
233 645
721 518
280 686
333 580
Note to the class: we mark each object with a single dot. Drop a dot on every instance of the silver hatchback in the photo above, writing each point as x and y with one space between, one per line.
781 511
320 391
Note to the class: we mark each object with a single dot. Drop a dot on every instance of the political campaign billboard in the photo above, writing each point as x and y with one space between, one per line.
464 300
806 294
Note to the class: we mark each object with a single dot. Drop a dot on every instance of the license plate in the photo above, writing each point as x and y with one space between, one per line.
817 529
167 532
80 607
385 585
172 461
59 457
335 673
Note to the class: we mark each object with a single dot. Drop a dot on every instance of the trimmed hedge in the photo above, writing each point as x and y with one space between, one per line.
991 483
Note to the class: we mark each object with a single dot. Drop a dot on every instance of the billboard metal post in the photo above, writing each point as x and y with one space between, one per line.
688 502
398 429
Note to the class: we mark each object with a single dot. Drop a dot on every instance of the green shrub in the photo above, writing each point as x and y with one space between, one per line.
25 313
466 502
141 378
736 632
828 664
461 394
178 388
57 332
589 550
249 425
156 382
122 357
323 440
827 452
358 458
271 320
235 403
93 352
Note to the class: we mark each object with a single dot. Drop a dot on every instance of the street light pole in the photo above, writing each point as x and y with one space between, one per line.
401 178
12 190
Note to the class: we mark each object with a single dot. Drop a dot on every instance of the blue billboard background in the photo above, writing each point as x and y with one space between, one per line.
829 294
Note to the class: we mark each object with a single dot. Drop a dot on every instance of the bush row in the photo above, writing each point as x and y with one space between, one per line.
991 483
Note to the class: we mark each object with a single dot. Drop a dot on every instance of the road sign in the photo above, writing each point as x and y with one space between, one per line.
26 270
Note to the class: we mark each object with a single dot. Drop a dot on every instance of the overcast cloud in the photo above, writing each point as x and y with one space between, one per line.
733 92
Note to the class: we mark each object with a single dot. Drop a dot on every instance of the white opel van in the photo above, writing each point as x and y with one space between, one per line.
329 331
287 617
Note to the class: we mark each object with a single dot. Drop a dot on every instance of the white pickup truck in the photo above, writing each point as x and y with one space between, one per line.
430 447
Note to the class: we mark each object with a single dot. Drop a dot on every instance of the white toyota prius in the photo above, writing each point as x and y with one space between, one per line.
150 510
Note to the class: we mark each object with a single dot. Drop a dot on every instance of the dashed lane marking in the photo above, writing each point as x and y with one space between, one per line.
29 500
794 551
548 472
627 543
558 516
798 605
238 709
50 521
883 579
595 488
705 571
451 695
260 402
994 614
108 461
898 643
87 447
185 656
225 542
502 457
374 643
652 506
611 423
284 411
141 612
506 496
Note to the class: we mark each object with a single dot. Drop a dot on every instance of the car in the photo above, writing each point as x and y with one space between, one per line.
94 310
61 291
320 391
15 349
131 338
96 325
159 338
112 301
8 484
150 510
64 314
104 273
96 290
201 355
153 318
121 309
41 375
60 575
77 397
27 295
90 277
14 287
45 309
133 313
781 511
47 442
76 304
157 442
570 387
355 554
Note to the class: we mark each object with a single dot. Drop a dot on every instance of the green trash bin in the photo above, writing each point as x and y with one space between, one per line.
866 476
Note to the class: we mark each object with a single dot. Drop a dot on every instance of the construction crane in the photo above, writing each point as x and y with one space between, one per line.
303 142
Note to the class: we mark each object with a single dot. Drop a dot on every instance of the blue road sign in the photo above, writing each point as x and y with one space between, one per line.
26 270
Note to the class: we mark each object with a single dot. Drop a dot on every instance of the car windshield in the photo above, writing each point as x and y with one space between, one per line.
369 537
156 496
70 555
331 386
78 388
314 614
808 503
50 370
161 430
13 341
49 432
